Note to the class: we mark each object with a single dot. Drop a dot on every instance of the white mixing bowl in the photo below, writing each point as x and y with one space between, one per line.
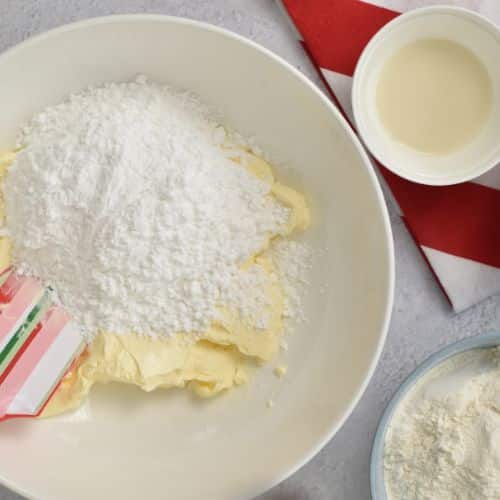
127 444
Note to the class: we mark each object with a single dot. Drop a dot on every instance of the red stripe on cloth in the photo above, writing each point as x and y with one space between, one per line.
426 259
460 220
326 84
336 31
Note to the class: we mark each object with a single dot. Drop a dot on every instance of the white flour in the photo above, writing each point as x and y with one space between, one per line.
444 441
123 200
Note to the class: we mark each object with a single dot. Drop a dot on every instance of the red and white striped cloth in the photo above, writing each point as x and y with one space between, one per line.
457 228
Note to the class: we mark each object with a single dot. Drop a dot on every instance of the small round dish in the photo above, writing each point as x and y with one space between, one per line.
377 483
444 22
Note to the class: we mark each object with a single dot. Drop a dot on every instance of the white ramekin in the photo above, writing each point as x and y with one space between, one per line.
453 23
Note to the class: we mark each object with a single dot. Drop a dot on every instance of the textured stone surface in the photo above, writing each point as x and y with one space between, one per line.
422 320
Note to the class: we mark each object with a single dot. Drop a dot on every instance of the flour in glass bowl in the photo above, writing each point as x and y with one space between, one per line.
444 439
123 199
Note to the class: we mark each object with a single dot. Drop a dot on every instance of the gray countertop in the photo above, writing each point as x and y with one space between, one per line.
422 319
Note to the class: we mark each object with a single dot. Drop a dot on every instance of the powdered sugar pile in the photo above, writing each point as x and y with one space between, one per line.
123 200
293 261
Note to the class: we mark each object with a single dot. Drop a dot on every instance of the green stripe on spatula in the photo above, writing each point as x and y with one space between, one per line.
23 332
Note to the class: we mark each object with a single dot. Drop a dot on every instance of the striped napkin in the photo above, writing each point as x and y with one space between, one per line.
457 228
38 343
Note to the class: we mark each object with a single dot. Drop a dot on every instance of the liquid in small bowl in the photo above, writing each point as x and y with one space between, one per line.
434 96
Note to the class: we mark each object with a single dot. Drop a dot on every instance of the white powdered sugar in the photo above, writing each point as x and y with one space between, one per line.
293 261
123 199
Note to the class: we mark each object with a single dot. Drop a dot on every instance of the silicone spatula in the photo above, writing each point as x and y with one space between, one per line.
38 343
